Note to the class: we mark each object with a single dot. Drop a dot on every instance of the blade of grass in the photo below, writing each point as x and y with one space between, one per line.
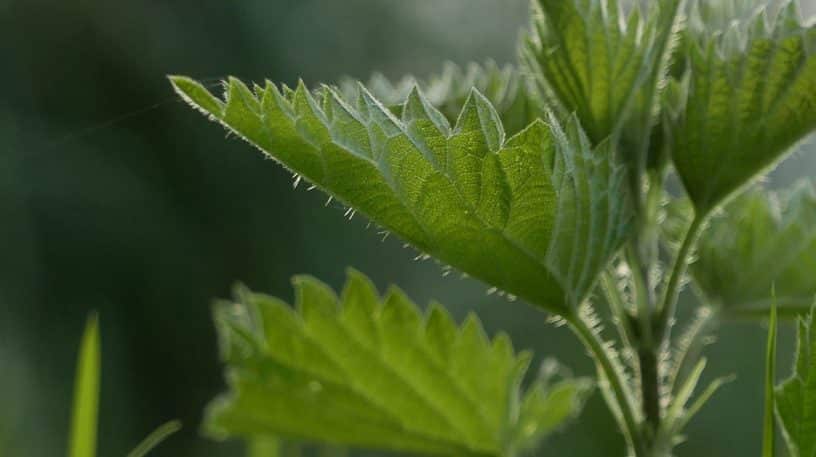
82 441
155 438
768 431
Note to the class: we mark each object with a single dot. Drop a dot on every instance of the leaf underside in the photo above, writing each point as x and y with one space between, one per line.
751 96
537 215
796 397
762 239
607 66
366 371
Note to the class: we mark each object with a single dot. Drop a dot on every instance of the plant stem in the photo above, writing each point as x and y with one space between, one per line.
650 386
666 313
641 296
657 339
646 344
615 378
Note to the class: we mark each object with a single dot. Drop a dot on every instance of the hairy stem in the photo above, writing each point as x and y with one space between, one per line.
645 343
666 313
615 378
658 339
650 386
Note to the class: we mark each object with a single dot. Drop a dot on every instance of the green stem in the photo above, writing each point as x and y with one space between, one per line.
613 375
646 348
641 294
650 386
667 310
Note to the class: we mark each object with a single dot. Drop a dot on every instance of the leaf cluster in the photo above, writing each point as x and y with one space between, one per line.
547 180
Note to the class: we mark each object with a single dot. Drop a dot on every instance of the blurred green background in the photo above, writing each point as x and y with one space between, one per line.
115 197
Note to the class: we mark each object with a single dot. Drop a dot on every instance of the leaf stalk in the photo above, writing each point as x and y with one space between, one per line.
672 291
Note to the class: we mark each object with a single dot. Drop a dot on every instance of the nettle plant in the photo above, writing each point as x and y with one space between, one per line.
595 179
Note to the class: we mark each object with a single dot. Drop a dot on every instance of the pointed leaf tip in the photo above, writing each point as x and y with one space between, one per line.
417 107
196 95
478 114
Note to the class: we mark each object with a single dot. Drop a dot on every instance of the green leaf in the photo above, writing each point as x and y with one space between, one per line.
511 94
366 371
608 67
82 441
538 215
762 238
751 95
796 396
549 402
